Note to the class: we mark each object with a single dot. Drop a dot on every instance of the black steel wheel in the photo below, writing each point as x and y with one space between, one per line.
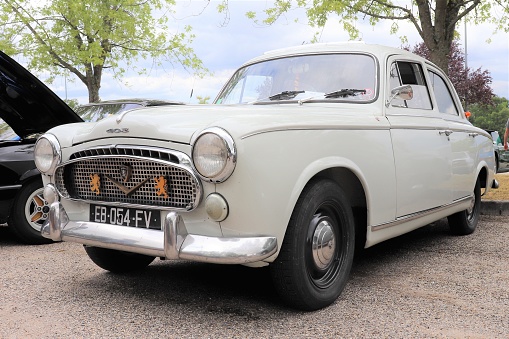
316 256
465 222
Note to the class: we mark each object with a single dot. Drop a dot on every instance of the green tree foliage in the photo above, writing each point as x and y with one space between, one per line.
491 117
73 103
434 20
85 37
203 100
473 86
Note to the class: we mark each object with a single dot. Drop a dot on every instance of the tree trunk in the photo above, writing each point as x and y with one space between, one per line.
93 81
439 55
93 94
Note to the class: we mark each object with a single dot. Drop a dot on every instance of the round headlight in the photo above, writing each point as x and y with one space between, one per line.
47 153
214 154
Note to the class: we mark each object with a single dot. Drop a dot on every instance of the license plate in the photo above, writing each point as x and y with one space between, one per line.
123 216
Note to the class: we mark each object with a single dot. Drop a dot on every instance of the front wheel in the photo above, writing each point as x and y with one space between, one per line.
118 261
465 222
316 256
28 213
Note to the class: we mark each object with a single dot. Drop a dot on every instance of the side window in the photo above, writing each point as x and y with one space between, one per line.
408 73
444 98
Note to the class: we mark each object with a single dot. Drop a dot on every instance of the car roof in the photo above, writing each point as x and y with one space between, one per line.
334 47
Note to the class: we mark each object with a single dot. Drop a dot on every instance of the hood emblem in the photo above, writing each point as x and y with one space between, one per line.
95 183
117 130
125 172
161 186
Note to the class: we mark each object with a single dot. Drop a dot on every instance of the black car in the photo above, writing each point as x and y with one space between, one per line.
29 108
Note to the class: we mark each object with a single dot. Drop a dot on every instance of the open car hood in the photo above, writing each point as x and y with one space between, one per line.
28 105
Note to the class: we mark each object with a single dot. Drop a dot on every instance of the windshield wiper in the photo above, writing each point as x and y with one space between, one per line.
345 92
285 95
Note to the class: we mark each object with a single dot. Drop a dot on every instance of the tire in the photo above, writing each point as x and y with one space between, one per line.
118 261
28 213
308 276
465 222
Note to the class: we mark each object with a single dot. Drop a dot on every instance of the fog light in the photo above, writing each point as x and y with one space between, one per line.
216 207
50 194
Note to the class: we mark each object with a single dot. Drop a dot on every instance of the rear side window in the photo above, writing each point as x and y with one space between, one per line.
409 73
443 95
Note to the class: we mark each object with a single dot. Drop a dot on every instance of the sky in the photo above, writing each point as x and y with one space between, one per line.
224 46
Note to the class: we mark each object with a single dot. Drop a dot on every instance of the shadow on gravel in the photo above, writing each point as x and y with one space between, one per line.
7 238
236 290
206 288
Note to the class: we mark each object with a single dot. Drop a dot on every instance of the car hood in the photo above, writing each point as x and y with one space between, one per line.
181 123
26 104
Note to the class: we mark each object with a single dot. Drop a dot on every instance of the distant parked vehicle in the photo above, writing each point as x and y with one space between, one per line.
501 155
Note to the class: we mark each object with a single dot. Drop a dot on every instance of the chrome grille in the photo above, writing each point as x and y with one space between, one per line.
74 181
153 153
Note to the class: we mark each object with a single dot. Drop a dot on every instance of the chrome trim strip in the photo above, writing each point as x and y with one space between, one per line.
173 242
183 158
411 217
10 187
315 128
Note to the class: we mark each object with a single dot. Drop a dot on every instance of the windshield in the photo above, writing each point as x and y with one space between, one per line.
351 76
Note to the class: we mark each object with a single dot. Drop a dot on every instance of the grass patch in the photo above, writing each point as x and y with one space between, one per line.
502 193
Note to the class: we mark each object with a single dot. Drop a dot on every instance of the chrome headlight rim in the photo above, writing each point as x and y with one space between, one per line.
229 148
55 150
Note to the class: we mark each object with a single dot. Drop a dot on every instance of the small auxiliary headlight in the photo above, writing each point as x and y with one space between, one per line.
216 207
214 155
47 153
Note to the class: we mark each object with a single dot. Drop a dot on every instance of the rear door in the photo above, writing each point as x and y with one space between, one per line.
463 136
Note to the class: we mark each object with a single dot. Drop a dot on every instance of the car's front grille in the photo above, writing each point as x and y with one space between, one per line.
129 180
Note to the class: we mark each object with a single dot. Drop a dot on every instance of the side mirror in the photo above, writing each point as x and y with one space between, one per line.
404 92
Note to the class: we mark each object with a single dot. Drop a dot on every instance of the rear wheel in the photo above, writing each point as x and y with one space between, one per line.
118 261
316 256
465 222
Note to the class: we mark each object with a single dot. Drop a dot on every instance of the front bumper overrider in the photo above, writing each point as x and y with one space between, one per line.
173 242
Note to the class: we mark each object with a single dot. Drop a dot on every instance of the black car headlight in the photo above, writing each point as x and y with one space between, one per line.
47 154
214 155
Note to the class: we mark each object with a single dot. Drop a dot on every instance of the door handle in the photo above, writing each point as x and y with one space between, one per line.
473 135
447 132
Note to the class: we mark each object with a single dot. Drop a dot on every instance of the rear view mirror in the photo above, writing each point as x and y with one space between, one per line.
404 92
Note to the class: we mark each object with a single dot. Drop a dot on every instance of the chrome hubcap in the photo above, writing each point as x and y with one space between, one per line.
324 244
36 210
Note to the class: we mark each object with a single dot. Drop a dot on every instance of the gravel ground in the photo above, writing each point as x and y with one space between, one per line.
426 284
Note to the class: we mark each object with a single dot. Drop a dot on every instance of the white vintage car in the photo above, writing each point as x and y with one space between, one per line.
307 153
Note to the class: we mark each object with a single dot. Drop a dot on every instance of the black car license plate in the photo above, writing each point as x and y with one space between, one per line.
123 216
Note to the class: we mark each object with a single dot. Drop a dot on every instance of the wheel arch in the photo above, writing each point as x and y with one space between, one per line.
353 187
350 179
483 176
30 175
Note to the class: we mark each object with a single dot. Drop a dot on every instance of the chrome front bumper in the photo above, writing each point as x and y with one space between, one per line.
172 243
